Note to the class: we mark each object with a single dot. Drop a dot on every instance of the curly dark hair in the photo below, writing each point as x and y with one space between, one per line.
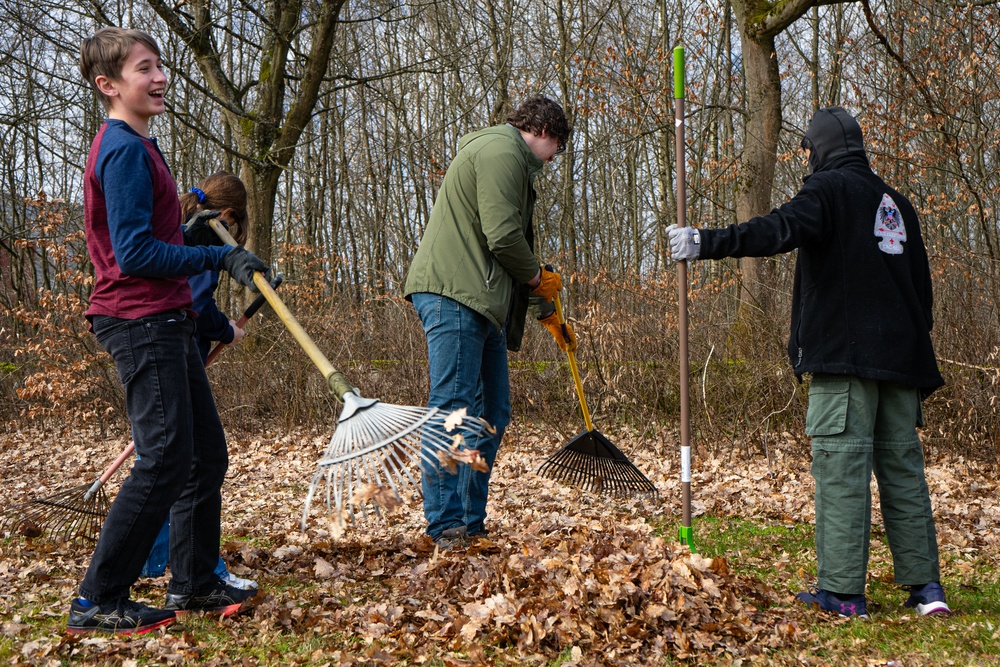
539 114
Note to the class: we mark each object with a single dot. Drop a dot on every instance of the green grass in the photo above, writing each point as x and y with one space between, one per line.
783 557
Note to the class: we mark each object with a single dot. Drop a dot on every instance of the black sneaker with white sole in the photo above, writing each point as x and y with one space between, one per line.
123 617
221 599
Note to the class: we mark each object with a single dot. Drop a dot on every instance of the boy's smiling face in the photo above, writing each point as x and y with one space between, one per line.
137 94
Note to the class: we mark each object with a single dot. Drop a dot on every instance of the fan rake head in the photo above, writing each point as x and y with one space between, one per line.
590 461
373 459
75 515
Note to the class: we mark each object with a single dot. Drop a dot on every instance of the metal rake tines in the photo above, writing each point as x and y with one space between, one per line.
384 446
69 513
597 474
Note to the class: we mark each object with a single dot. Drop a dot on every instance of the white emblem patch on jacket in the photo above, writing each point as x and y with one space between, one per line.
889 227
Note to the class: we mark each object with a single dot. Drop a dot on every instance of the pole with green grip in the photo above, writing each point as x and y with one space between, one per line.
686 532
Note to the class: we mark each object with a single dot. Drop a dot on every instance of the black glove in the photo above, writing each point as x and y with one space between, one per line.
241 264
198 232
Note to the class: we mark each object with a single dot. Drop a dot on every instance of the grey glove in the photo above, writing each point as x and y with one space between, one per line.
198 232
685 242
241 264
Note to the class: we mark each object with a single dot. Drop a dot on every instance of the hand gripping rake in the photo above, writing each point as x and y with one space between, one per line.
78 513
375 444
590 460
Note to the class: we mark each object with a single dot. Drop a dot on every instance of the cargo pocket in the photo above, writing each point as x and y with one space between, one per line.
828 399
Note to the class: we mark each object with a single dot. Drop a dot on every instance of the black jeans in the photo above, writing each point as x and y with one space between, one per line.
181 463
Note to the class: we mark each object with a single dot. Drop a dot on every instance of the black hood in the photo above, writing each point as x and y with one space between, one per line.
832 134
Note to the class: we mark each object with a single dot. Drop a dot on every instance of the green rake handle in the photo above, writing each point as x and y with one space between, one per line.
335 379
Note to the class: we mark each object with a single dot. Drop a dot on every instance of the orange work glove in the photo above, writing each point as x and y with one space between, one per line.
552 324
548 285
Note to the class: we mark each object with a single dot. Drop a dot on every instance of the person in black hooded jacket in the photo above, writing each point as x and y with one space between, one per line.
861 322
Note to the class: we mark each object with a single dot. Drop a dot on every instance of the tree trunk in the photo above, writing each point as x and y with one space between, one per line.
763 85
287 85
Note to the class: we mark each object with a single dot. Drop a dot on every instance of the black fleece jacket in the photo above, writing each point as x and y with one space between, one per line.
861 302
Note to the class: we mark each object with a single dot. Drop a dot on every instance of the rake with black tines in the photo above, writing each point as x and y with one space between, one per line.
590 461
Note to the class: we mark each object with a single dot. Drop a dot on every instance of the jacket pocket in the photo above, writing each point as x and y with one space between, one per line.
828 401
490 271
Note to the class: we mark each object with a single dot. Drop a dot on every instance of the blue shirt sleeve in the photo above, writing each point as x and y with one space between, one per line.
211 323
124 168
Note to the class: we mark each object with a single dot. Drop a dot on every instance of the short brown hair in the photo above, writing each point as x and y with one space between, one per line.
106 52
218 192
539 114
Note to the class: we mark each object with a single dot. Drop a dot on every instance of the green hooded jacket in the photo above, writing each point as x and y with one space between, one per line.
477 248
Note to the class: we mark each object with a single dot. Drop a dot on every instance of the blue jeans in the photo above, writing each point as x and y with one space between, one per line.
159 556
467 361
181 459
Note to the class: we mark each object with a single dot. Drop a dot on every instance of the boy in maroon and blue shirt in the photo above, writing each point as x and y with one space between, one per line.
141 313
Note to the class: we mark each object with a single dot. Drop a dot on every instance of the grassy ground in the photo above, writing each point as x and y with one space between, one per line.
783 556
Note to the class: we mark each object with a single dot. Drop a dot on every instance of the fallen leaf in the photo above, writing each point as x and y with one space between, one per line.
454 420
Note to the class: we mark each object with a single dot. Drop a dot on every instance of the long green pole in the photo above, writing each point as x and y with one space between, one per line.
686 532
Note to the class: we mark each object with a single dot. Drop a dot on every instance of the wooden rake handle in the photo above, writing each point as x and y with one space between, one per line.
335 379
572 364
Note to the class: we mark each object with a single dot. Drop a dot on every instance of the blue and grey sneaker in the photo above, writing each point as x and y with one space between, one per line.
221 599
928 599
845 605
123 617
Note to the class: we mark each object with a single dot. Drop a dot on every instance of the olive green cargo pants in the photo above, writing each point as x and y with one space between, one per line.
858 427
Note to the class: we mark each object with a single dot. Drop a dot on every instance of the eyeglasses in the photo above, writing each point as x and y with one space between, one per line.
562 148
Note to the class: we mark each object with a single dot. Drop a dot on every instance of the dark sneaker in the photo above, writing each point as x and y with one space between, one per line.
928 599
123 617
847 605
221 599
452 538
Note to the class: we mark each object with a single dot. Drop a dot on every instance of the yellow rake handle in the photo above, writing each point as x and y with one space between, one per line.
572 364
334 378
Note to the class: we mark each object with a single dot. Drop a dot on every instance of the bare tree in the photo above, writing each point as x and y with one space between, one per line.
759 24
267 108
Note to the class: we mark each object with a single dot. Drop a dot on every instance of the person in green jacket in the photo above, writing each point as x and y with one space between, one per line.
470 283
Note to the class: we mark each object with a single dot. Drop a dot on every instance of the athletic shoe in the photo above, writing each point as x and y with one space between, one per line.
238 582
452 538
123 617
845 605
928 599
221 599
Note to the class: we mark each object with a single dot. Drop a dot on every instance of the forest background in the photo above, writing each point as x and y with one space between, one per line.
343 116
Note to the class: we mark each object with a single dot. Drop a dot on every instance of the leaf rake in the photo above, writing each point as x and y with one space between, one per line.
78 513
590 461
375 445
